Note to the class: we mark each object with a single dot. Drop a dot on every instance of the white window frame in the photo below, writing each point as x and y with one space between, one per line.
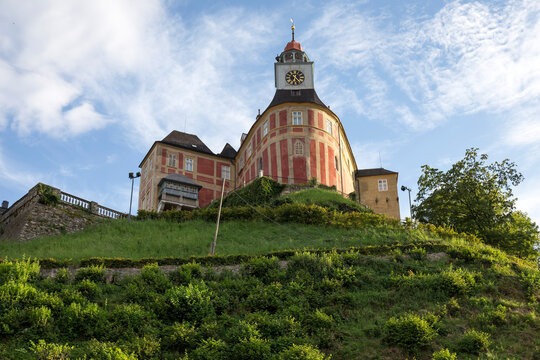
329 126
248 153
297 118
172 160
265 128
226 172
383 185
189 164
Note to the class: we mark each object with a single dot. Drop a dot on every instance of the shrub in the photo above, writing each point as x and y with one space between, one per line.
84 320
94 273
410 331
182 336
144 347
444 354
153 277
251 348
63 276
185 273
40 317
47 195
44 351
107 351
127 320
474 342
192 302
263 268
89 289
418 253
18 270
210 349
302 352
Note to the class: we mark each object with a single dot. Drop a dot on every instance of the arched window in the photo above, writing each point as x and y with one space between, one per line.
298 148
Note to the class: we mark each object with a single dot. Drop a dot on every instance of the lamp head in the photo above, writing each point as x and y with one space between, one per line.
131 175
403 188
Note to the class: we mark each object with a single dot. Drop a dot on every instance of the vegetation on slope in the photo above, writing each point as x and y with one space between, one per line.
474 303
325 198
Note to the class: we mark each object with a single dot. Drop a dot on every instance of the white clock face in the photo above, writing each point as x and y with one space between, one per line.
294 76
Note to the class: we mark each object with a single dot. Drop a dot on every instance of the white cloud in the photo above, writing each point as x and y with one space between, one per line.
71 67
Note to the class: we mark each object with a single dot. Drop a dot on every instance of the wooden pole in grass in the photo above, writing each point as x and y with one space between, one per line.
213 248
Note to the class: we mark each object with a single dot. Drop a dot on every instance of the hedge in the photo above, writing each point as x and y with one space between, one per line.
220 260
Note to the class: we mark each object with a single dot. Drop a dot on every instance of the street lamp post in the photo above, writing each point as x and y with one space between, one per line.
132 177
403 188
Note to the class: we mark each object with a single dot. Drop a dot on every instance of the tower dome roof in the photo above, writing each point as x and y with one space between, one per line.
293 45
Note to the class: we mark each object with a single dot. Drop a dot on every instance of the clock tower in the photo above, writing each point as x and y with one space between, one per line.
292 69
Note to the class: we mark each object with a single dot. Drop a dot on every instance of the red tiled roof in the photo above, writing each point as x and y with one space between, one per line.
293 45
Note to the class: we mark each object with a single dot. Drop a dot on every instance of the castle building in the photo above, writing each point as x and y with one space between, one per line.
295 139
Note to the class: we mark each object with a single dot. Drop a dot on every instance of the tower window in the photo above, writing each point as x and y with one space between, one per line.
336 163
296 92
383 185
297 118
265 128
298 148
329 126
189 164
248 154
172 160
260 163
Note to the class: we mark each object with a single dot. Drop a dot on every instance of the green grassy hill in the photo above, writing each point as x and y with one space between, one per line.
367 288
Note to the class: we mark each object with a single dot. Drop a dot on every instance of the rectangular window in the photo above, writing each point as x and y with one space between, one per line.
189 164
248 152
265 128
383 185
329 126
226 172
297 118
172 160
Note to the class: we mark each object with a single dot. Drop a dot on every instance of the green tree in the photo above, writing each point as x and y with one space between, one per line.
476 198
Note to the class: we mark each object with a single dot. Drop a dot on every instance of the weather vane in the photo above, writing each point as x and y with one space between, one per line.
292 28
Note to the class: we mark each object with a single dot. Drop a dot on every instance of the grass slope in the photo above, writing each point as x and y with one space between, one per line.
160 238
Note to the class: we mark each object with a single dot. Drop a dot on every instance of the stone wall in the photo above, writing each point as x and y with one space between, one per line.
28 219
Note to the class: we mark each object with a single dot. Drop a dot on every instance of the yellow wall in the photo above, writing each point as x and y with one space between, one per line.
381 202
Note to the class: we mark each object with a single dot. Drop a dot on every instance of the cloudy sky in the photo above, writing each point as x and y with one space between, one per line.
87 86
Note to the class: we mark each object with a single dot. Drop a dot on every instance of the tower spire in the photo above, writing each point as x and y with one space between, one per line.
292 28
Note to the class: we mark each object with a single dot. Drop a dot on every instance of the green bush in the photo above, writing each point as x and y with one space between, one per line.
40 317
45 351
261 191
191 303
47 195
63 276
251 348
182 336
410 332
95 273
444 354
107 351
144 348
83 320
88 289
127 320
18 270
184 274
474 342
153 277
302 352
264 268
211 349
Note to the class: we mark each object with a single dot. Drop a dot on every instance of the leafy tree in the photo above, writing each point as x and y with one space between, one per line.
476 198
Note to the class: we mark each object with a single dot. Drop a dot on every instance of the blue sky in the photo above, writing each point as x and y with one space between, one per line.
87 86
